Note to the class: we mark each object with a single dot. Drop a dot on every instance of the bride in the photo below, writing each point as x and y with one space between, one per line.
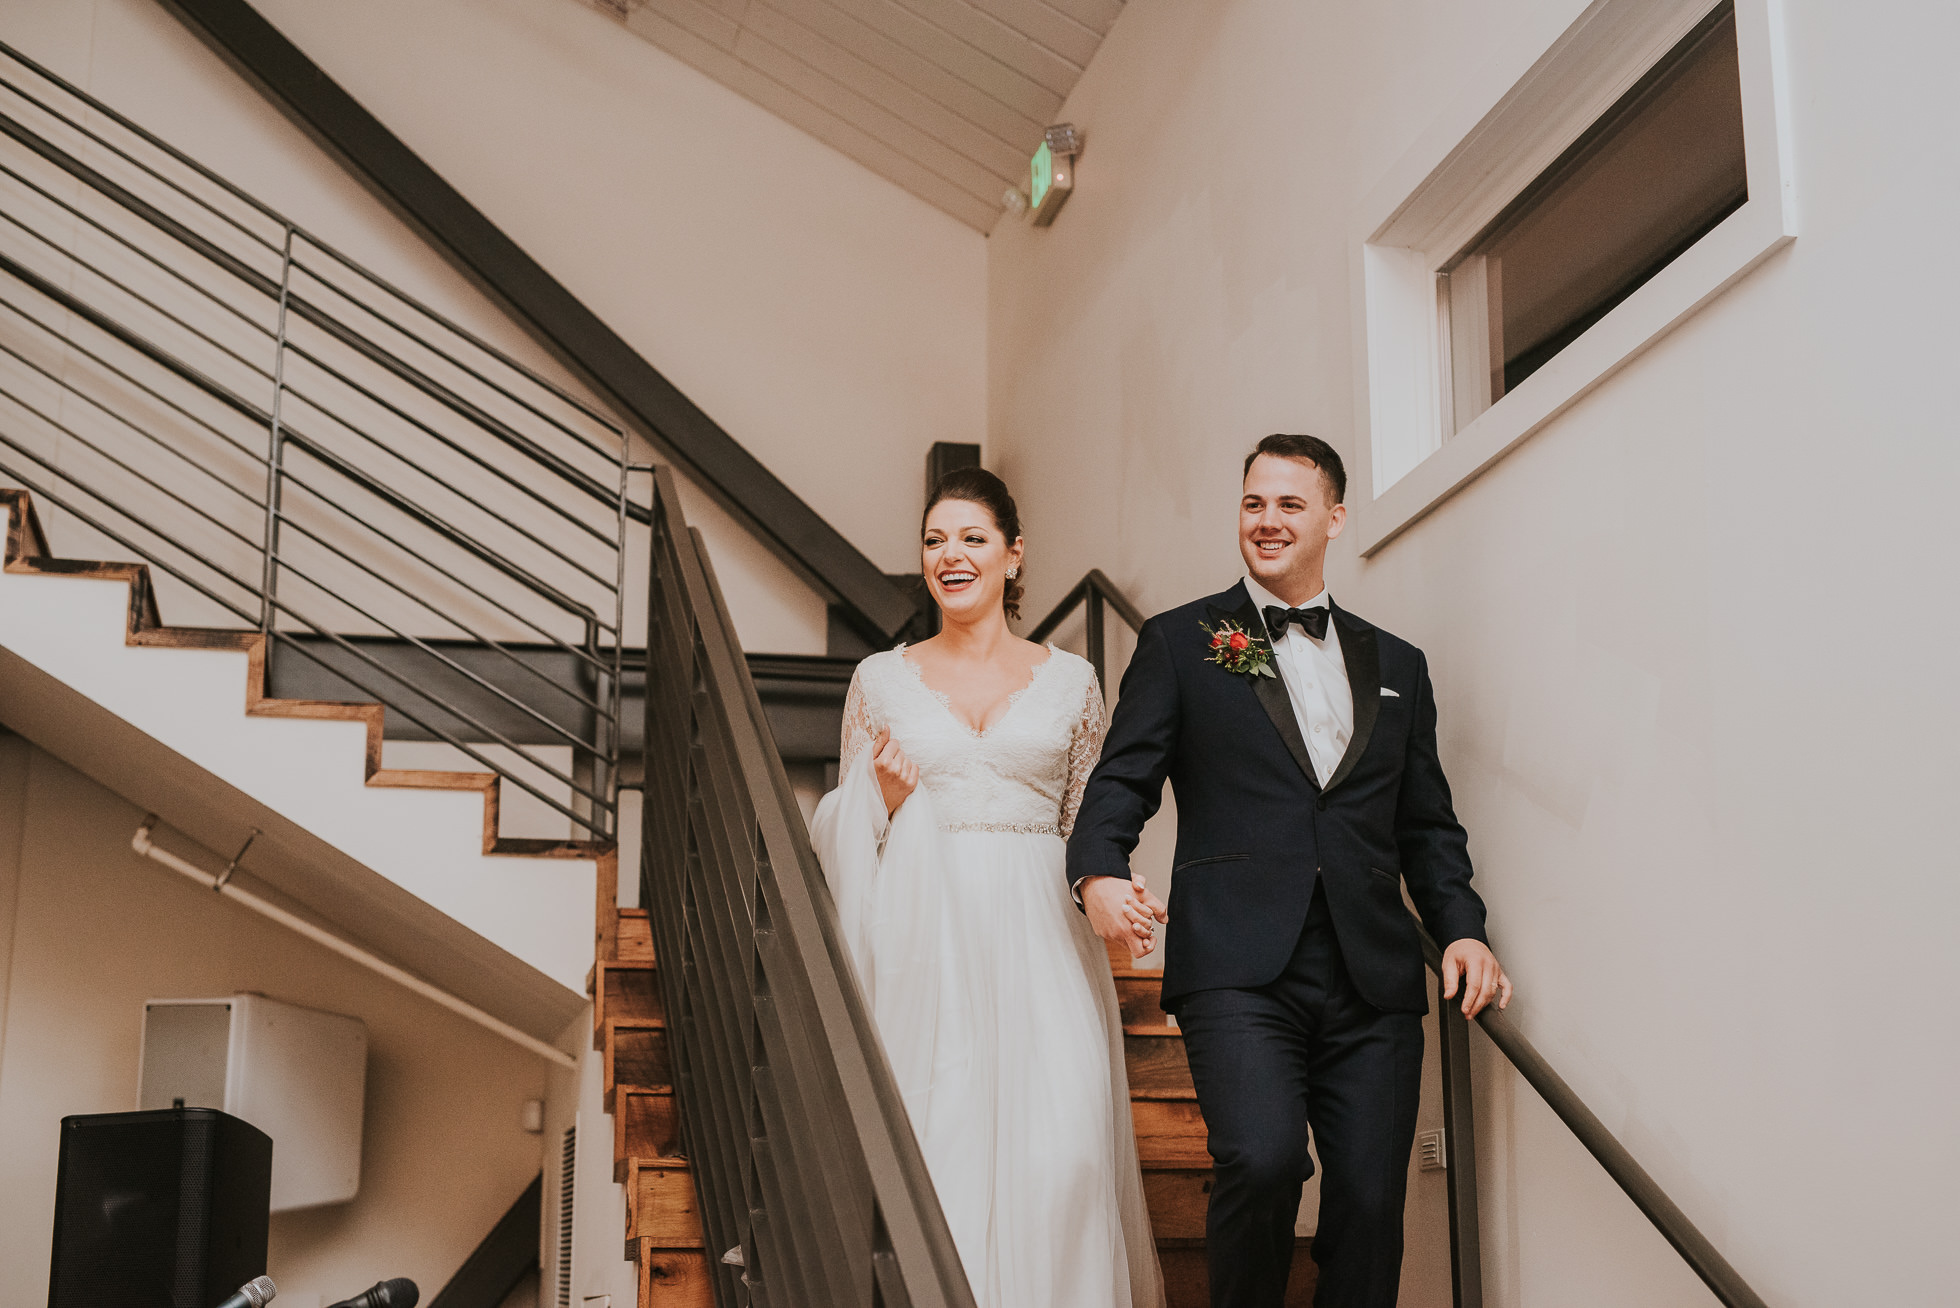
963 762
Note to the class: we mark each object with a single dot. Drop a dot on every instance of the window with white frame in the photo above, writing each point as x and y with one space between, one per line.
1633 172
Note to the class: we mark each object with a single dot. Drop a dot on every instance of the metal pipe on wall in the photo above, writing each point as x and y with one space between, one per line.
142 843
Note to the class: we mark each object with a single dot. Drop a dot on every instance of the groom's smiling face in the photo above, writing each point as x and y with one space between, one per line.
1287 514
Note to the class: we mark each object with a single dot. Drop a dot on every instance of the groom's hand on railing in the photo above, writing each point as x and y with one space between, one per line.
1123 913
1472 963
898 776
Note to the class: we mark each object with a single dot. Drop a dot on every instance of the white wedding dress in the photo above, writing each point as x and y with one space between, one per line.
991 994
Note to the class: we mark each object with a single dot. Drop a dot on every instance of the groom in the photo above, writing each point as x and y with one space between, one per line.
1301 742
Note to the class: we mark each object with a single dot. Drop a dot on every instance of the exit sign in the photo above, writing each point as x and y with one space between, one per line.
1051 173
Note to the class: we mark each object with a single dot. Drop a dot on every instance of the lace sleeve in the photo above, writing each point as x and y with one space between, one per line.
1083 751
859 730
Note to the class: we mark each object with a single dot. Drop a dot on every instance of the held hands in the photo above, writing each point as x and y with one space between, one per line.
1473 963
897 775
1126 914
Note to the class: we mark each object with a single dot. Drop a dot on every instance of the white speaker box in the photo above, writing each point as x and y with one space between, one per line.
297 1074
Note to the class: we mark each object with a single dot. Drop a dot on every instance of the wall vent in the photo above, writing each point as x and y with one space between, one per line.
567 1191
1430 1152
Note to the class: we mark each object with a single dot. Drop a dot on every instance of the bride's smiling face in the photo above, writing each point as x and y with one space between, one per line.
966 557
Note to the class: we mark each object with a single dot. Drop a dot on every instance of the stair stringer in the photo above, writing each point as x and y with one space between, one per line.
93 628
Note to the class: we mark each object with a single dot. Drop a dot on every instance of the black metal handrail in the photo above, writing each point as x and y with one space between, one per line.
1460 1141
176 357
1095 591
807 1169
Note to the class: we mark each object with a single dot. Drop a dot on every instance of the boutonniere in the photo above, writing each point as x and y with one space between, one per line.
1235 649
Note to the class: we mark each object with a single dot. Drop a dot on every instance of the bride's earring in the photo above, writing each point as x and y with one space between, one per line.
1013 573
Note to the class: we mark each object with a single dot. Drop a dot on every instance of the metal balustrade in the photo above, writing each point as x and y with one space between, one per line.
297 447
808 1172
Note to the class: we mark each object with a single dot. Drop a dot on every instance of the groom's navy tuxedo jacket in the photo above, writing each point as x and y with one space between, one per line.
1255 830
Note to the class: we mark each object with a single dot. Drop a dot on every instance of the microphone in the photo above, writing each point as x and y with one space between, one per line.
398 1293
255 1293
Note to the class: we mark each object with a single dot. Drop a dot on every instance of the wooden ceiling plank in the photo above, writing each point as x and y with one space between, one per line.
754 85
998 41
996 118
1098 15
1024 95
880 87
1046 26
869 117
691 17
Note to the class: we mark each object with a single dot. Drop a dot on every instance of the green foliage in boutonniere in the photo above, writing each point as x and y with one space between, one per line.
1235 649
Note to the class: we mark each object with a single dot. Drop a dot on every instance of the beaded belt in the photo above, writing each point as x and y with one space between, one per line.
1017 828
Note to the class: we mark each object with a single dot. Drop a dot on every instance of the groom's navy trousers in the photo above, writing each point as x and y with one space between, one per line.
1304 1051
1291 961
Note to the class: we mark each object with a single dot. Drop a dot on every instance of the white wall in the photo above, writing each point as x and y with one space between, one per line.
88 931
1690 641
834 324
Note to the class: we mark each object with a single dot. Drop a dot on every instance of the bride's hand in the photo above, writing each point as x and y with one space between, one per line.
897 775
1142 912
1118 915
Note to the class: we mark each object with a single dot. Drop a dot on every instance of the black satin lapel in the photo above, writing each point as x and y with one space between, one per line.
1364 671
1271 693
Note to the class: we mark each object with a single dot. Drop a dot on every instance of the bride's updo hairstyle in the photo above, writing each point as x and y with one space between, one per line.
978 486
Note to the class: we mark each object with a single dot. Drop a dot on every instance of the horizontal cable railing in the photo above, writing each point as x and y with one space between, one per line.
300 449
812 1187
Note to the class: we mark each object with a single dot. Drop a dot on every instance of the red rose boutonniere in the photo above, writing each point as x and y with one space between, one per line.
1235 649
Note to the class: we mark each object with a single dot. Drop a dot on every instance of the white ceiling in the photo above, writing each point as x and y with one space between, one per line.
947 98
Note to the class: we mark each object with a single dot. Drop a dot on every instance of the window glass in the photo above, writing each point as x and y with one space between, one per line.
1653 175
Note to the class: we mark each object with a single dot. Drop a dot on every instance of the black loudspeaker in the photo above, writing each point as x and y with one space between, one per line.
164 1209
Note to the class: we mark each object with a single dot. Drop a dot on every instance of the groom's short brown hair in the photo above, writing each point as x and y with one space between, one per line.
1310 449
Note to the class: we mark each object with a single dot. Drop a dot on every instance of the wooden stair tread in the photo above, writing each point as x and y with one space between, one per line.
633 940
87 569
635 1057
197 638
25 539
645 1126
674 1278
27 552
423 779
661 1205
625 989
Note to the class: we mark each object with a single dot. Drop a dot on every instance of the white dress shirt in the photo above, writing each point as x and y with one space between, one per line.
1316 681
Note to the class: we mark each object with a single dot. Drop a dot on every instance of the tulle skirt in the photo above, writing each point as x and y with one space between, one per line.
994 1002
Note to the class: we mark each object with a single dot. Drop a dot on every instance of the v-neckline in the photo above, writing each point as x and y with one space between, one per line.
946 701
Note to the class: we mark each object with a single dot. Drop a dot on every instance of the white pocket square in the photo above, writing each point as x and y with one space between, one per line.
1390 694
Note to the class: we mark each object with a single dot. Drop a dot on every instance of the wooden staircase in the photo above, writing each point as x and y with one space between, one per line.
1171 1142
629 1028
663 1220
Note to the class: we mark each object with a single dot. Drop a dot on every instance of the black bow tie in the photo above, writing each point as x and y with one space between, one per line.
1313 621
